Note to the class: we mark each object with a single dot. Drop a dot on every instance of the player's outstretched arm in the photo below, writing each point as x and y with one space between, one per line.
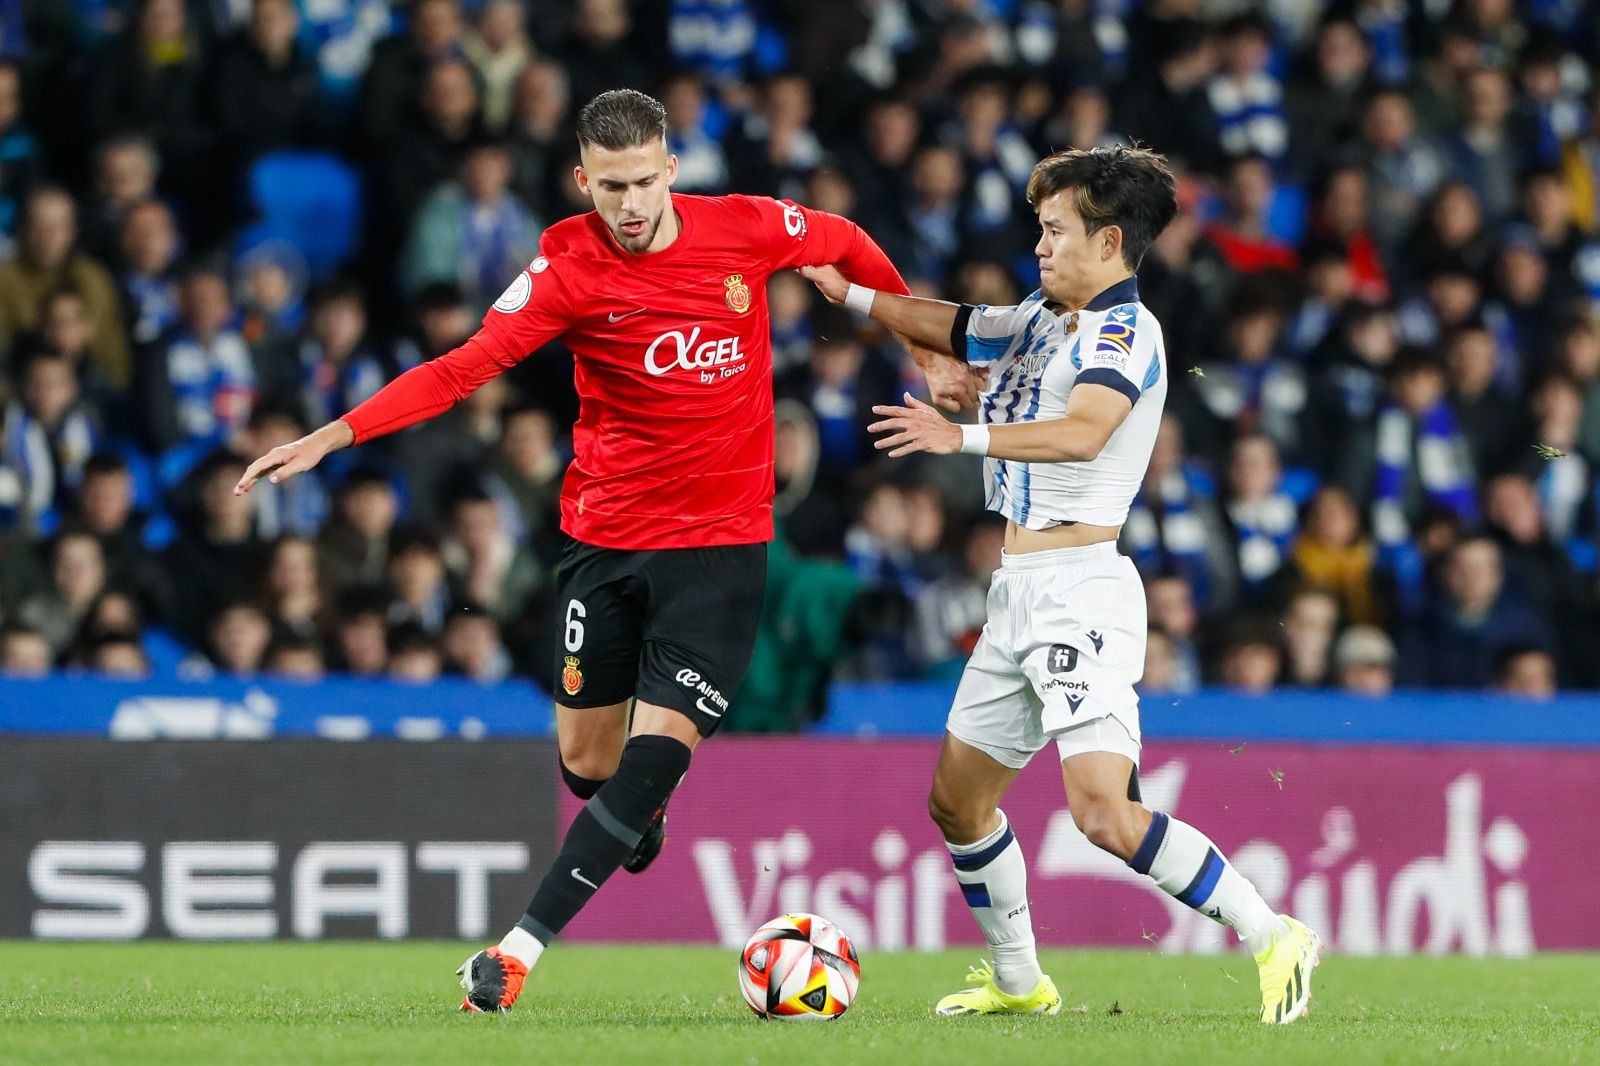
296 457
927 323
1093 414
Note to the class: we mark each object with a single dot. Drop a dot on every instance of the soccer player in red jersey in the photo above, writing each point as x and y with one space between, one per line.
668 502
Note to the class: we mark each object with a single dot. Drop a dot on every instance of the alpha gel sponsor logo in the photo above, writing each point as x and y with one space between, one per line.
676 350
707 697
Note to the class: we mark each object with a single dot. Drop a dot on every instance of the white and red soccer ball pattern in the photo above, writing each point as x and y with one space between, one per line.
799 968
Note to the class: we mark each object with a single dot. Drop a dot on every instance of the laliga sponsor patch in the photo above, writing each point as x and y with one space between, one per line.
539 265
515 298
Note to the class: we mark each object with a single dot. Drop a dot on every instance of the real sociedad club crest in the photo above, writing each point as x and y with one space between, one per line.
571 676
738 294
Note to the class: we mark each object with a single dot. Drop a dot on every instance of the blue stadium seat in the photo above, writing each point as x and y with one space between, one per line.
310 199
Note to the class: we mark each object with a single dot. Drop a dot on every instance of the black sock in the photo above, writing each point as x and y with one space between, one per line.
582 787
606 831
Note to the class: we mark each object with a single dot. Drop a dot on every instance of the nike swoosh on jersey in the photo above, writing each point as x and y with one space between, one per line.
614 317
700 702
576 876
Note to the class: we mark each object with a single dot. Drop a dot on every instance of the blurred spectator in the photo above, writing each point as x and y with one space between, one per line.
1340 218
77 577
600 53
486 565
473 648
1456 643
702 164
950 615
1250 387
996 158
1523 312
1246 97
336 370
414 655
200 379
149 283
50 433
294 597
775 148
1452 234
105 508
528 470
361 633
216 549
1422 457
1323 105
1573 256
1341 422
118 655
1483 152
538 137
271 288
933 211
1564 478
812 517
498 48
354 546
298 505
1175 524
294 656
1525 672
1263 517
1309 625
1404 168
24 652
426 150
401 62
19 152
473 231
1252 659
237 640
1332 553
1364 659
265 87
126 167
417 573
1329 288
842 383
151 82
1172 613
46 262
1241 234
1160 665
1173 108
1578 356
1495 426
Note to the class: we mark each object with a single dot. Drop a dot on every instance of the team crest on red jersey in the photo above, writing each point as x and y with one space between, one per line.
571 676
738 294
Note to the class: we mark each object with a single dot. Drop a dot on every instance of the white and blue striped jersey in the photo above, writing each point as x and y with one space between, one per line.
1035 356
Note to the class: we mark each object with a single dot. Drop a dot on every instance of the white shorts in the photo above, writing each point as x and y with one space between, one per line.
1058 658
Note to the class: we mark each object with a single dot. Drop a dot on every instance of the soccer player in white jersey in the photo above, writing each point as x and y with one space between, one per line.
1076 379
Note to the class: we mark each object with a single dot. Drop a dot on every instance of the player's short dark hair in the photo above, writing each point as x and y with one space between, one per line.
621 118
1112 185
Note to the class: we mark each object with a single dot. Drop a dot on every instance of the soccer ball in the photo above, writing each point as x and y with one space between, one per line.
799 968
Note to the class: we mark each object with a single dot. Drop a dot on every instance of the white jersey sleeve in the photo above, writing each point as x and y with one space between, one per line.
989 334
1123 356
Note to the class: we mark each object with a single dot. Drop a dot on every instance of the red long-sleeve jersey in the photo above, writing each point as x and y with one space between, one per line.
673 446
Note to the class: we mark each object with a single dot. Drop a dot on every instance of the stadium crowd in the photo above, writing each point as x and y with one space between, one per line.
224 223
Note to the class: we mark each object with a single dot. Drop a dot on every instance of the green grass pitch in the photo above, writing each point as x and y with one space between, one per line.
395 1003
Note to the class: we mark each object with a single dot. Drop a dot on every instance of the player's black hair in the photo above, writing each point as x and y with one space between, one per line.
621 118
1112 185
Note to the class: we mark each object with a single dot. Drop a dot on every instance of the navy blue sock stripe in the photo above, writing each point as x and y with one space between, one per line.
979 859
977 895
1151 844
1205 882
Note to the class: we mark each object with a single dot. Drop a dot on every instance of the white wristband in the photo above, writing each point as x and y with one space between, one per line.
975 440
859 298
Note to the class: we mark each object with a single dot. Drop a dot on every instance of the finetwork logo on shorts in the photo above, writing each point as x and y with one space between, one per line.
1063 659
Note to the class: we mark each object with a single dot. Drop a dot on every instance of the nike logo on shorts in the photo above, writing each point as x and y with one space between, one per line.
613 317
576 876
700 702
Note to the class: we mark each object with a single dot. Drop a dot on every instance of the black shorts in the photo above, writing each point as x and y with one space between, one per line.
674 626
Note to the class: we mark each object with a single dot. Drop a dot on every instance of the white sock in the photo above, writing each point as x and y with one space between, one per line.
522 946
1188 867
994 880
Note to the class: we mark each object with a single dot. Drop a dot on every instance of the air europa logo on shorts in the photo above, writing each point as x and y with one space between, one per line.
688 352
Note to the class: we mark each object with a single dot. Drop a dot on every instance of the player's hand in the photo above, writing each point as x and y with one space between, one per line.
296 457
915 428
951 382
828 281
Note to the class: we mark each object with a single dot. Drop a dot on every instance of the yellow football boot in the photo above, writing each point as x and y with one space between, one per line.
985 997
1286 973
